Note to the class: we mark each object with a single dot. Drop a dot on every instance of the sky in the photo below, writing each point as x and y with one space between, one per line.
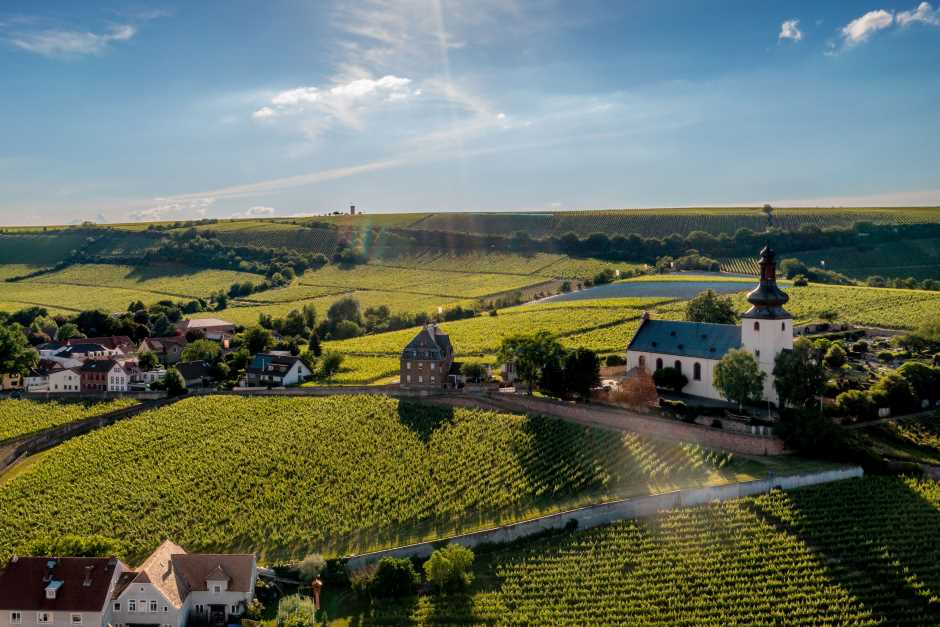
132 111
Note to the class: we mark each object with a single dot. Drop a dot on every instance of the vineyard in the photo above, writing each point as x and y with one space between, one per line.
22 417
37 249
914 439
286 476
740 265
858 552
918 258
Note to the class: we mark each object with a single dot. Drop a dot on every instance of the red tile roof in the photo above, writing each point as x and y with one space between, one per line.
23 583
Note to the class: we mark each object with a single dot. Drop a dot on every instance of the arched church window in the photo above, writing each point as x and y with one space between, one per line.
659 363
642 362
697 371
756 325
783 326
679 365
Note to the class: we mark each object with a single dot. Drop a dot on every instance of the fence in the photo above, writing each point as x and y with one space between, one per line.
605 513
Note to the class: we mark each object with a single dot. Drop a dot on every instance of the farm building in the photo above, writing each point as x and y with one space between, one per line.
426 360
695 348
275 368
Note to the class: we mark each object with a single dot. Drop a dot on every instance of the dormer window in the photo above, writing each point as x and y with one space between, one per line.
53 588
216 589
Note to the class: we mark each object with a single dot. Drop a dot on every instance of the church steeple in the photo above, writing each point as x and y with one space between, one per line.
767 299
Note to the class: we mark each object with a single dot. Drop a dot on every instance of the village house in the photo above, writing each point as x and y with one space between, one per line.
66 380
62 591
275 369
168 350
211 328
11 382
85 350
196 374
173 587
121 344
37 379
426 360
695 348
103 375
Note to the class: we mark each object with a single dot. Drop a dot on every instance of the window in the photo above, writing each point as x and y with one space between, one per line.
659 363
408 378
408 365
117 607
234 609
433 365
216 589
420 379
16 618
153 606
756 325
43 618
783 326
697 371
679 366
757 352
132 605
642 362
76 619
433 378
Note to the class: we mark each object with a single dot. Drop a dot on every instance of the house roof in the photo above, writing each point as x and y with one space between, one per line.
111 341
44 367
686 339
191 370
22 586
50 346
82 349
159 344
271 363
99 365
429 343
177 573
205 323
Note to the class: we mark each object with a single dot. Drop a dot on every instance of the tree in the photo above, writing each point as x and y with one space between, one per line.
296 611
68 331
16 355
294 324
449 568
738 377
311 566
346 329
929 330
894 391
258 339
799 377
708 306
473 371
530 354
173 383
856 404
394 577
221 301
582 372
924 379
148 361
670 378
346 308
768 211
330 363
202 350
835 356
310 316
314 345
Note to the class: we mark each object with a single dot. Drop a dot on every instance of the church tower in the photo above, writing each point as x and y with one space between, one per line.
767 328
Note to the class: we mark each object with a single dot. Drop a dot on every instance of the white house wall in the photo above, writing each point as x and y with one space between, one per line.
703 388
58 619
143 594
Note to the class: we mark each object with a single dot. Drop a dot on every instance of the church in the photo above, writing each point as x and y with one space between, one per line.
695 348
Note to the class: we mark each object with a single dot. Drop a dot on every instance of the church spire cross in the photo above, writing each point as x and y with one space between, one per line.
767 299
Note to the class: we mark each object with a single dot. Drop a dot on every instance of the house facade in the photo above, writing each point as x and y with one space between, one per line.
66 380
104 375
275 369
11 382
168 350
695 348
58 592
121 344
173 587
211 328
426 360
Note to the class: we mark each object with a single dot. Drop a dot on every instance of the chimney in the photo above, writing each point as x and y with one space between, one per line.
88 570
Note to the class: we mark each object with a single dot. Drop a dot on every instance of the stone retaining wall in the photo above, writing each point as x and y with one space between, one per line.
605 513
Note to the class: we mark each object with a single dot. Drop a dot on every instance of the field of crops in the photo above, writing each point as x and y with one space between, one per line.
918 258
284 476
21 417
740 265
858 552
38 249
492 263
276 235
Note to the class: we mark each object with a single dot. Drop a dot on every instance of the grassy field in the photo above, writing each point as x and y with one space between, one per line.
858 552
286 476
21 417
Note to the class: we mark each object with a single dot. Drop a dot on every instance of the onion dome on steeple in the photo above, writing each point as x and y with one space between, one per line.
767 300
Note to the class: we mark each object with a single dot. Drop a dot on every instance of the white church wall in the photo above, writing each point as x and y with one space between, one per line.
702 387
765 338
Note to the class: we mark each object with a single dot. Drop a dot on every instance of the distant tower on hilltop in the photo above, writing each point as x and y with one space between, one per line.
352 210
767 328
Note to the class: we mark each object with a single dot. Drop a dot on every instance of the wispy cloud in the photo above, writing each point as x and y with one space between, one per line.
174 209
790 29
255 212
923 14
861 28
70 43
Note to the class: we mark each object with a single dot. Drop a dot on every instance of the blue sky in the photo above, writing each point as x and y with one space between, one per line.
130 111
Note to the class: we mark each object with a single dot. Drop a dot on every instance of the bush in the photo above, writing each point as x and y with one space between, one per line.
670 378
449 567
311 566
860 346
856 404
615 360
835 356
893 391
394 577
346 329
924 379
296 611
885 355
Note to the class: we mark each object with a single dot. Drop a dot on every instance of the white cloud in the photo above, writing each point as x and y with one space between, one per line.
924 14
255 212
174 209
344 103
861 28
790 29
67 43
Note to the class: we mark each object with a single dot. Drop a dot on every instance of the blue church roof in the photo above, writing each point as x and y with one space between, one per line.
686 339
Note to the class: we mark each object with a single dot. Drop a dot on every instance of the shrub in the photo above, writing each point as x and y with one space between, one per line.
670 378
449 567
924 379
311 566
885 355
893 391
614 360
860 346
394 577
296 611
856 404
835 356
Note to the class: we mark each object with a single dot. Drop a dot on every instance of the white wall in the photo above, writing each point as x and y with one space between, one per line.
703 388
58 619
143 594
765 343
